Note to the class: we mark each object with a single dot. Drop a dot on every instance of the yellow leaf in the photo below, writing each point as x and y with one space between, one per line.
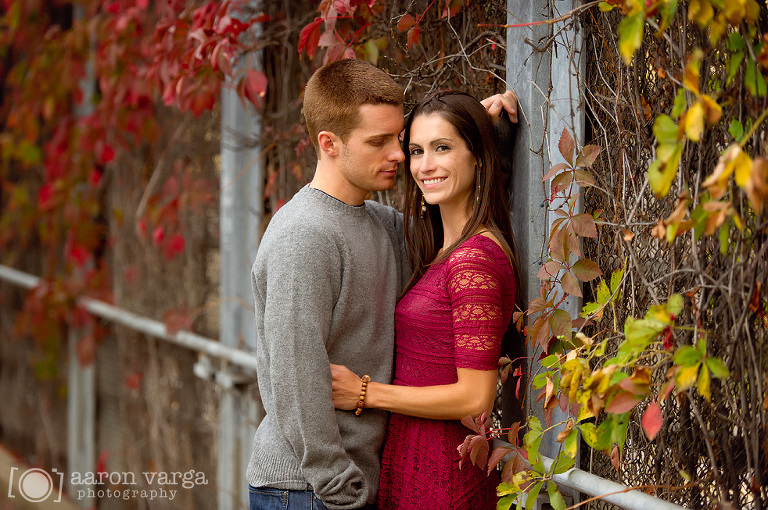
703 382
742 169
691 76
757 184
661 174
686 377
700 11
716 214
712 110
631 35
717 182
694 122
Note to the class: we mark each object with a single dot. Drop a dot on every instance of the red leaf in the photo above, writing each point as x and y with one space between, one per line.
651 421
571 285
309 37
101 462
616 458
584 225
552 171
623 402
588 155
133 380
496 456
561 324
405 23
158 235
255 87
549 270
586 270
478 451
108 154
462 448
469 422
561 182
413 36
86 350
174 246
566 146
583 177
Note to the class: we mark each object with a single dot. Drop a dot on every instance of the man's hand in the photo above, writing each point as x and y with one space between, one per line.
498 102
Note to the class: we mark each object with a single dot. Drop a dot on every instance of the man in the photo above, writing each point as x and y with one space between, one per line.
326 279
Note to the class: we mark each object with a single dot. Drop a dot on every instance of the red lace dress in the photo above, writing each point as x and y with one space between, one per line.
454 317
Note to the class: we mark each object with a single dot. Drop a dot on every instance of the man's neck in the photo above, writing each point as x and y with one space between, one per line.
338 188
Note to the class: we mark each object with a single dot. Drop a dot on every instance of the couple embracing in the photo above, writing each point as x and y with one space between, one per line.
377 332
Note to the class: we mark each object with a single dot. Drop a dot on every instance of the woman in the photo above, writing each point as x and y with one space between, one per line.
452 315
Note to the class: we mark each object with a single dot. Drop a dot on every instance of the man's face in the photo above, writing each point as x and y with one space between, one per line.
369 159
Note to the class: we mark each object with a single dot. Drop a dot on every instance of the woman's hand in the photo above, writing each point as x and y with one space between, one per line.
498 102
346 387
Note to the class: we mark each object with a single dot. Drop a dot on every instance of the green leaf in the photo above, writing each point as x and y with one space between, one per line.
667 10
555 498
679 107
661 174
736 42
550 361
506 502
532 439
718 368
754 80
616 277
736 129
605 7
641 331
603 293
533 494
631 35
734 64
686 356
562 464
665 128
724 234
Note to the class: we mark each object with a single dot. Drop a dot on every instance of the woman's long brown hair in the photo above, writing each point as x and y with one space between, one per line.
424 236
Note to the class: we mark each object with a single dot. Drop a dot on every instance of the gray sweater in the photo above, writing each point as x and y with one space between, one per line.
325 281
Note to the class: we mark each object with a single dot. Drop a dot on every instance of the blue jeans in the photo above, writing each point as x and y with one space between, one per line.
267 498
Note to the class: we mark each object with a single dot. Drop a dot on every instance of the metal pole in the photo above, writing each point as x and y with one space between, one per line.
241 192
541 120
81 394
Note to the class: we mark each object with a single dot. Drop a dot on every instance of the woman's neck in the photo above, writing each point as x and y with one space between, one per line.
454 220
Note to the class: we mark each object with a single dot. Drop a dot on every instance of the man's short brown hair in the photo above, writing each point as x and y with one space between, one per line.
334 94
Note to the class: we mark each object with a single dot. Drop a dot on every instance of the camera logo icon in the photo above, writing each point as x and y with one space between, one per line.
35 485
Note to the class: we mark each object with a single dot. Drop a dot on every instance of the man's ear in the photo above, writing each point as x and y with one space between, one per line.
329 143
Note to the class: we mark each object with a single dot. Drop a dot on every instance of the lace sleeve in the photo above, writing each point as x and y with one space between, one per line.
476 287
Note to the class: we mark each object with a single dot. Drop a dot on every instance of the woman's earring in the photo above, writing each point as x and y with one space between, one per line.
477 188
423 207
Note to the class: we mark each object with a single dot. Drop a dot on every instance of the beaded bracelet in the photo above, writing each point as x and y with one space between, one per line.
361 403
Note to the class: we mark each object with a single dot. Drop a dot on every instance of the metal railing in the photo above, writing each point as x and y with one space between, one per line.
575 479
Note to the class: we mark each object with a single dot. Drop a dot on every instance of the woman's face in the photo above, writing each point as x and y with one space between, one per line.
441 163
